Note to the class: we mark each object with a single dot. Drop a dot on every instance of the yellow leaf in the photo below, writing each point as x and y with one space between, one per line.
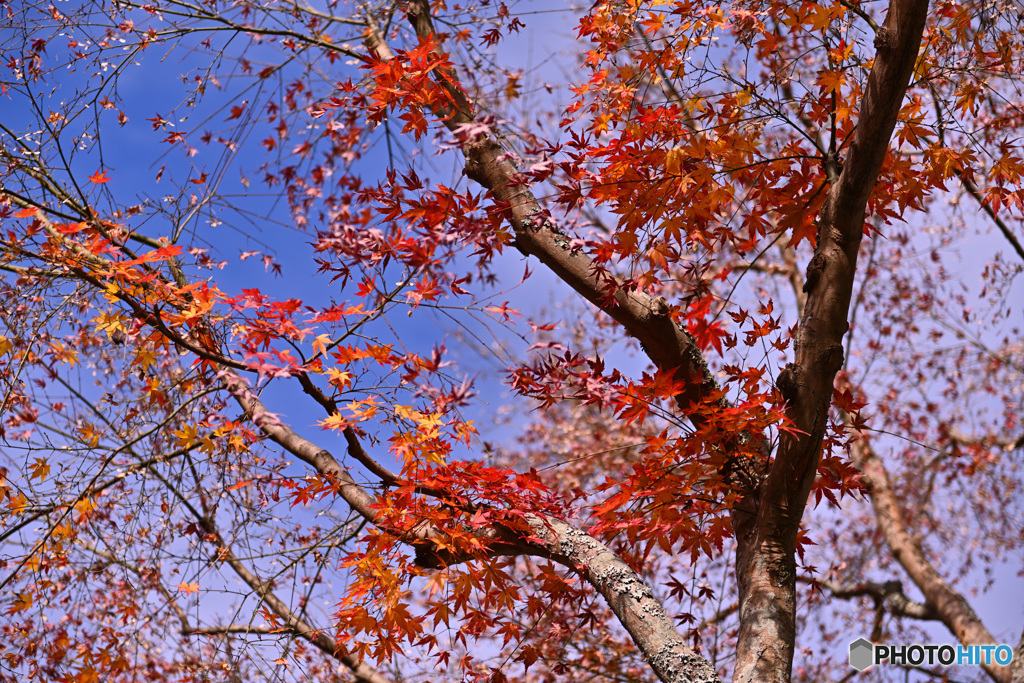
335 421
110 291
186 436
6 347
145 358
321 343
63 531
17 503
362 410
430 423
89 434
64 353
21 603
340 378
39 469
85 506
512 87
674 160
111 324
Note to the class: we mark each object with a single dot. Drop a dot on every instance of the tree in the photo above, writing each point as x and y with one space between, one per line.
788 238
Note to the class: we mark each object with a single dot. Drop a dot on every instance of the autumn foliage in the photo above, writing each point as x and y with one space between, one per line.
344 341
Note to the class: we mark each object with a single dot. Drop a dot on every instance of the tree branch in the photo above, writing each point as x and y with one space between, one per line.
630 598
766 539
890 595
644 317
1017 667
1000 223
362 671
244 629
948 604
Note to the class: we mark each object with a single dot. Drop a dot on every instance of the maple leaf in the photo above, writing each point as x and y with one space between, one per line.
336 422
821 17
40 469
21 602
845 401
99 178
831 81
504 311
188 588
236 111
320 343
17 502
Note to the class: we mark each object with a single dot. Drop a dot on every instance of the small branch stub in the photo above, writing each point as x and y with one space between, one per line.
787 383
814 271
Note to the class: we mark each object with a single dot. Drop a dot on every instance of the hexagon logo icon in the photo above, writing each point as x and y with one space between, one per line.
861 654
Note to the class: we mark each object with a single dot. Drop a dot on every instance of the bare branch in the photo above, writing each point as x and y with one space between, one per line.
972 189
951 607
889 595
244 629
362 671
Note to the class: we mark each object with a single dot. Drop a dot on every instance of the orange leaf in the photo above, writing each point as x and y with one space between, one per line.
40 469
20 603
99 178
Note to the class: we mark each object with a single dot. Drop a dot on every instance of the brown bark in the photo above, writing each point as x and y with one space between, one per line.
630 598
889 596
766 529
1017 667
947 603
